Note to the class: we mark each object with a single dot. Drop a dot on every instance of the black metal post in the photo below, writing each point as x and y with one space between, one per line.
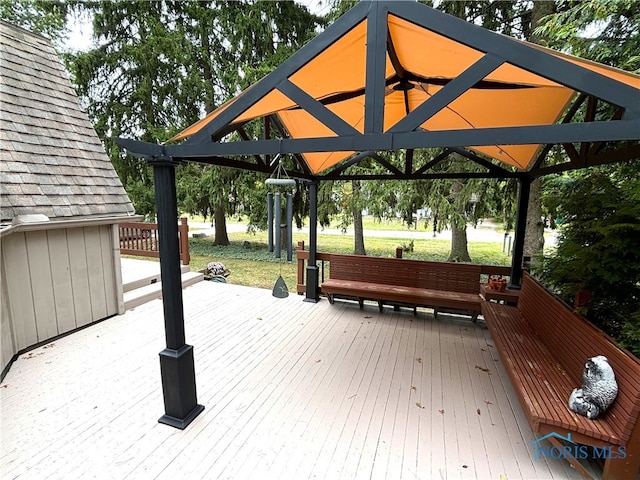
312 267
270 222
524 190
176 361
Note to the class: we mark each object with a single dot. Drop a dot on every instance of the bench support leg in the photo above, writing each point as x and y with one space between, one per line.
380 305
628 467
361 303
575 463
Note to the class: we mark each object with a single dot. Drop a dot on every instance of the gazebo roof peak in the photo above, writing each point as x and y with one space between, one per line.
401 75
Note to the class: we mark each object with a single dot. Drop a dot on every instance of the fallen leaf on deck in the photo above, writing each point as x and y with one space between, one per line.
414 388
478 410
419 359
488 402
419 405
31 355
441 411
318 361
483 369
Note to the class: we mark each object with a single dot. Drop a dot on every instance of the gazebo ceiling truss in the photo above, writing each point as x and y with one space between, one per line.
498 102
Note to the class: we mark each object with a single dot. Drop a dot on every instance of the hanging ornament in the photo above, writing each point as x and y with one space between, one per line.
281 182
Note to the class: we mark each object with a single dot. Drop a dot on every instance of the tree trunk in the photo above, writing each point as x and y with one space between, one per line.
358 229
534 233
205 62
459 246
221 237
358 233
459 250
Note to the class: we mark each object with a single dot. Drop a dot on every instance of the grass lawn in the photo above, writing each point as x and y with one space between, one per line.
251 264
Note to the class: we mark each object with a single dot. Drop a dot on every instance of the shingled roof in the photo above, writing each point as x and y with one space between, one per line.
51 159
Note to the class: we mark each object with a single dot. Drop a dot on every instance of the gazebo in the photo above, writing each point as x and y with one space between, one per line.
395 76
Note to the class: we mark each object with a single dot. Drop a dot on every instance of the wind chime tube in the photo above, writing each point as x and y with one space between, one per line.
270 221
289 229
278 221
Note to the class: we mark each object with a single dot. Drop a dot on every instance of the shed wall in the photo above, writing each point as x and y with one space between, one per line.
55 281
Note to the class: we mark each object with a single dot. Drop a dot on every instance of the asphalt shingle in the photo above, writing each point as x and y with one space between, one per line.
51 159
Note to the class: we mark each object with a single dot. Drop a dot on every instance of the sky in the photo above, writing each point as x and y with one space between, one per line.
80 34
81 31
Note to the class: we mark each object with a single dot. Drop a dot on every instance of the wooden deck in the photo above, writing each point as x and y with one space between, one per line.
292 390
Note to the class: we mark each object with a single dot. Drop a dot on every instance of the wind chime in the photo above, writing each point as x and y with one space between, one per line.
283 184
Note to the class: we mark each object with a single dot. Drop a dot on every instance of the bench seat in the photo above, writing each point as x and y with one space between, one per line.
422 297
405 282
542 384
544 346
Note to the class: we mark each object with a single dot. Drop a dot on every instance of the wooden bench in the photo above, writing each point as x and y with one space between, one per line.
399 281
544 347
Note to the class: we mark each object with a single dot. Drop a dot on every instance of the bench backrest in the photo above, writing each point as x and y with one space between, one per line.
572 339
449 276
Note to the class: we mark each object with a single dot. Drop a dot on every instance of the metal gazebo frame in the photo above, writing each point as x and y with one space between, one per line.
588 142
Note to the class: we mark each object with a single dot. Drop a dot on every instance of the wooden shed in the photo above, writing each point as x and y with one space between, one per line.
61 202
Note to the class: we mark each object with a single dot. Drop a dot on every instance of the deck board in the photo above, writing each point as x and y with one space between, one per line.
291 390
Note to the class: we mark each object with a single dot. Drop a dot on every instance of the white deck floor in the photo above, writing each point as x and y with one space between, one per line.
134 269
292 390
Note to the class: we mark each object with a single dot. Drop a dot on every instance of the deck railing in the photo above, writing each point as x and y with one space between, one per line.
303 257
324 260
141 239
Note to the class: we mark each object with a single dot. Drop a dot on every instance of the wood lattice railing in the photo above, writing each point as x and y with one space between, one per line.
141 239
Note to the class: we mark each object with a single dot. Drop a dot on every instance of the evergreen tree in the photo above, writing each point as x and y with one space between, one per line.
161 65
598 206
599 247
47 18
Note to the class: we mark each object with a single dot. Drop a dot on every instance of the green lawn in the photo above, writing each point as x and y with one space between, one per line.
251 264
